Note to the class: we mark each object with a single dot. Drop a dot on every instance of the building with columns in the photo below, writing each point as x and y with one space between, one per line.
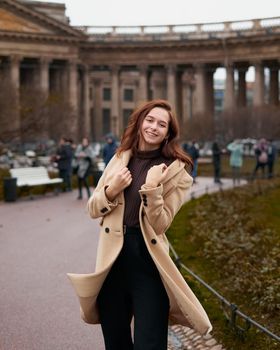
104 73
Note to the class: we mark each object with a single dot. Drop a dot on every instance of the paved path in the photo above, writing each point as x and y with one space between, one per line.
41 240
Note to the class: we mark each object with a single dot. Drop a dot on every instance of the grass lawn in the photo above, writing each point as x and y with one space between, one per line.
232 240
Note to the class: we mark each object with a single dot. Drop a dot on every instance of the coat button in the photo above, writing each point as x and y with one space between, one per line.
107 230
154 241
144 196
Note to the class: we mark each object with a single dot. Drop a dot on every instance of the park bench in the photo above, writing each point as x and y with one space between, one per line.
33 176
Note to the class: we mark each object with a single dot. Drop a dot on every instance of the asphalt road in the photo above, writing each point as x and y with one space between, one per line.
40 241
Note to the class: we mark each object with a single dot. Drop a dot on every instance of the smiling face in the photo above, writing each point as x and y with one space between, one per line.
154 129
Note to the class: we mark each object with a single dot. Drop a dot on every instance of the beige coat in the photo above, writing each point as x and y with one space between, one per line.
158 208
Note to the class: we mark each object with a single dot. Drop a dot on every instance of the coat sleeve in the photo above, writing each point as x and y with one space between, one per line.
160 210
98 205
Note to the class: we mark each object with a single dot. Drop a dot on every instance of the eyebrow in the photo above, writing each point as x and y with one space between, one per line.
160 121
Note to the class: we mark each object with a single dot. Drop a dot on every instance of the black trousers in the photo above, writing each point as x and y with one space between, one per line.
66 176
133 287
83 181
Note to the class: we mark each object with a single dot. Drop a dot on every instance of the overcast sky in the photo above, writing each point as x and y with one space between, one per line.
148 12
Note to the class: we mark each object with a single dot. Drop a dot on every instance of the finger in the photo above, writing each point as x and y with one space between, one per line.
163 167
129 181
128 176
124 170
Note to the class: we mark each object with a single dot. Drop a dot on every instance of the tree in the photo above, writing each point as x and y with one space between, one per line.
29 116
254 122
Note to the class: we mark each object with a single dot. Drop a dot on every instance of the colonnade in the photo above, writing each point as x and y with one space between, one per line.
68 79
189 88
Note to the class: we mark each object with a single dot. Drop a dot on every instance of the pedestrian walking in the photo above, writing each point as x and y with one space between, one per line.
137 197
193 151
216 158
271 156
235 160
63 158
109 148
84 156
261 153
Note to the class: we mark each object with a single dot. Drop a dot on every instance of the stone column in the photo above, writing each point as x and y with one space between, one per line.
115 100
229 101
158 85
258 97
15 70
86 128
171 85
15 82
73 96
210 104
44 86
274 86
143 83
242 91
96 121
73 84
44 75
187 95
200 98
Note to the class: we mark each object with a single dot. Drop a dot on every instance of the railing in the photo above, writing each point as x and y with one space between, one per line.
232 310
178 31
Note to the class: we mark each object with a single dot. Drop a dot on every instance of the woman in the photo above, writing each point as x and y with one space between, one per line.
137 197
83 156
236 160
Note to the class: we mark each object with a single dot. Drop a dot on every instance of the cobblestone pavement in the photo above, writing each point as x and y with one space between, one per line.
184 338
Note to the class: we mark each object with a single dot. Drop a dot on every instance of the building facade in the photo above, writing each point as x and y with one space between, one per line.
104 73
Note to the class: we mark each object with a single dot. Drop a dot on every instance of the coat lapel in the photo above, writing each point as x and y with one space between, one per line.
173 169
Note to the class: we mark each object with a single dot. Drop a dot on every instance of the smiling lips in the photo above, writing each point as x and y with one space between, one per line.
151 134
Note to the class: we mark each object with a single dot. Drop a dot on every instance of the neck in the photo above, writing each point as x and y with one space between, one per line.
146 147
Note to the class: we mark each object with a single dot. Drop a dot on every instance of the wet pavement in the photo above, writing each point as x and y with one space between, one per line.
40 241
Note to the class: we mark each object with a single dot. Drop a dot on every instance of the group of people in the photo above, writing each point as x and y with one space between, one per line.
76 160
265 155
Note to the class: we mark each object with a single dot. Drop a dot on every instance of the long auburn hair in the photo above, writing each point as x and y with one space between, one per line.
170 147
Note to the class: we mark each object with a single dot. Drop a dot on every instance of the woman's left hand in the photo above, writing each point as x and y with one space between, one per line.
156 174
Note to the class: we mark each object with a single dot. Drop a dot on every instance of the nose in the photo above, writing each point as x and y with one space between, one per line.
154 126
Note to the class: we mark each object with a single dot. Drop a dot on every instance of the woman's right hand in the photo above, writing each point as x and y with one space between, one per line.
119 182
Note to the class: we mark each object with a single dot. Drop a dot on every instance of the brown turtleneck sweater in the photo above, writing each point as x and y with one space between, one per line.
139 165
